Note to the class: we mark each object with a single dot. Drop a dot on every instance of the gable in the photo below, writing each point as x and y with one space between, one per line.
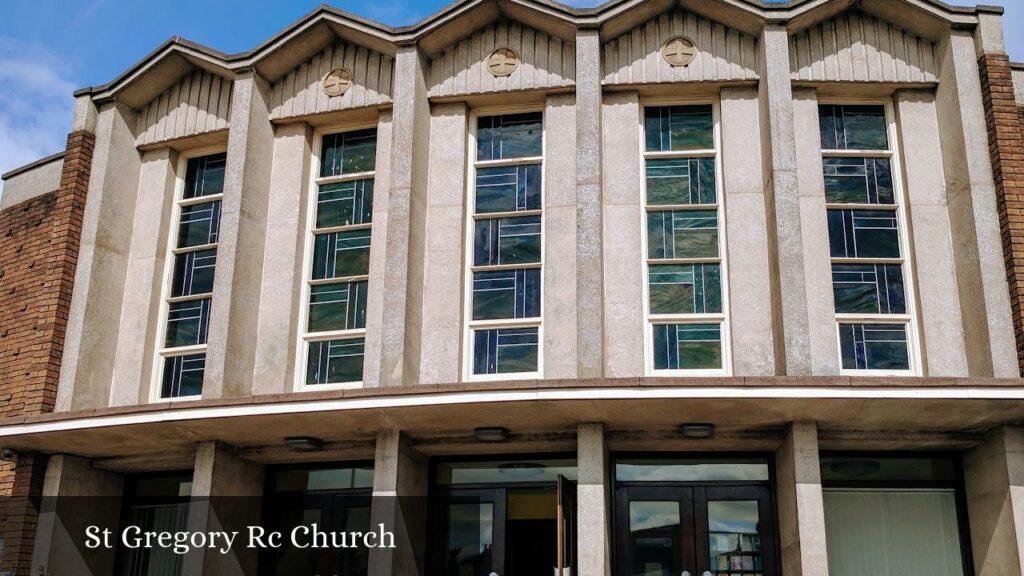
300 93
198 103
545 61
723 54
857 47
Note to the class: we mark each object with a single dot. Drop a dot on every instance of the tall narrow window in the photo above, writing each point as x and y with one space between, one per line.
505 280
685 305
193 261
870 277
339 242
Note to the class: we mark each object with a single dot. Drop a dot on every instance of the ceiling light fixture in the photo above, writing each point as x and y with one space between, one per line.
697 430
303 443
491 434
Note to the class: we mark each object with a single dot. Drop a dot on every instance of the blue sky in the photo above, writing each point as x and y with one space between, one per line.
48 48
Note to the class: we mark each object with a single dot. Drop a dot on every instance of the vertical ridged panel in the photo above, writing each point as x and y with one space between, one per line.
857 47
198 103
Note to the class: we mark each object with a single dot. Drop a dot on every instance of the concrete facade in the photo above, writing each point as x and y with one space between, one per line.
783 392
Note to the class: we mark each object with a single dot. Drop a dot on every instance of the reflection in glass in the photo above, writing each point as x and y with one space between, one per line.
682 234
340 306
853 127
681 181
470 539
687 346
505 350
655 538
685 289
341 254
508 188
641 470
863 234
311 479
509 136
858 181
733 538
506 294
204 175
868 288
874 346
199 224
335 361
344 203
673 128
501 241
505 471
348 152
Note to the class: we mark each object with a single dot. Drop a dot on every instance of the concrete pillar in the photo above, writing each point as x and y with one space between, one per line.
404 235
400 477
560 231
96 301
782 190
750 311
593 512
800 503
589 234
75 496
821 311
282 284
234 314
441 331
974 220
227 491
137 336
623 206
934 263
994 481
378 253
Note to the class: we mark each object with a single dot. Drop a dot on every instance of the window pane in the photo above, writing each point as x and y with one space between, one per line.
681 181
505 350
863 234
308 479
506 294
687 346
199 224
504 471
679 128
205 175
864 469
507 241
733 539
509 136
344 203
682 234
341 254
183 376
858 181
868 288
673 470
187 323
470 539
874 346
335 361
685 289
193 273
655 534
853 128
348 152
508 188
340 306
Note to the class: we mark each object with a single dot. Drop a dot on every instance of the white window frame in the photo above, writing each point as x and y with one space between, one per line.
652 320
310 232
162 353
470 325
909 320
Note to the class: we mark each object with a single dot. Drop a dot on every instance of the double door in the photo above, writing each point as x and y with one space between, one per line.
330 512
694 530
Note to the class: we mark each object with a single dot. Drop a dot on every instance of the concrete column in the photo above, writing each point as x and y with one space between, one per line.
378 253
234 313
750 307
75 496
593 512
441 330
96 302
403 277
399 503
282 286
821 310
994 480
560 259
800 503
622 204
934 263
226 494
974 221
137 336
782 190
589 233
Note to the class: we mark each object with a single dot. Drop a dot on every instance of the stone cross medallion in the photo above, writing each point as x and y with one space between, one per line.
679 51
337 82
502 62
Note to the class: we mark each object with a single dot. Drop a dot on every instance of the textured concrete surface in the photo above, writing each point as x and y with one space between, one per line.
800 503
994 481
400 478
593 501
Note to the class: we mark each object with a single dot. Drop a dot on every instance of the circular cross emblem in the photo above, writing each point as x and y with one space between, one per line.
502 62
337 82
679 51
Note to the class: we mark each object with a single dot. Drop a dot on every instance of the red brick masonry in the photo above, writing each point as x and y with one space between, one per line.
39 241
1006 148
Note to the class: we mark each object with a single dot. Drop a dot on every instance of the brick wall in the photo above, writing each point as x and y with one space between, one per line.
1006 148
39 241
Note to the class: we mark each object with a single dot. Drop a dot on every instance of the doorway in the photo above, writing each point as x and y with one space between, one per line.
694 517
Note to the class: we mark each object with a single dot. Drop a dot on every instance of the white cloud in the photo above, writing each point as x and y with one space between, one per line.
36 105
